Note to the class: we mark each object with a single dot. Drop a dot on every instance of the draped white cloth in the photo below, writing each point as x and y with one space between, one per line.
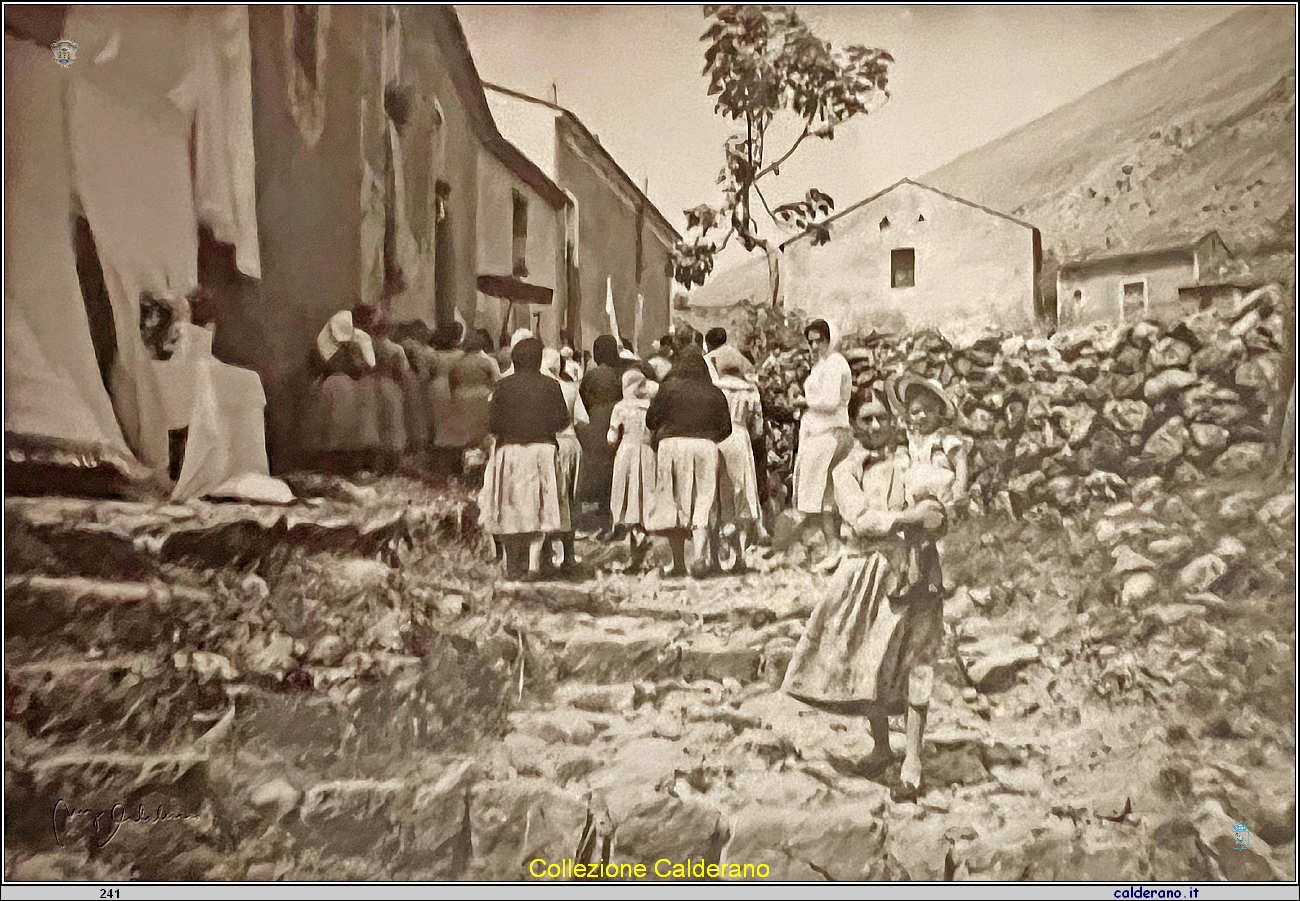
223 407
144 78
53 384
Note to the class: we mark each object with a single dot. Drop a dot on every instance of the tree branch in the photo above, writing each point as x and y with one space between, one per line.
807 130
770 214
721 247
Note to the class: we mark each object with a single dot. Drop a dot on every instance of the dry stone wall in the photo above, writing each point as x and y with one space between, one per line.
1087 412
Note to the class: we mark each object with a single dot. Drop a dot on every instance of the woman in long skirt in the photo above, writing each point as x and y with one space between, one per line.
471 380
869 648
688 416
601 389
738 481
568 455
345 427
447 436
633 486
385 389
520 500
824 434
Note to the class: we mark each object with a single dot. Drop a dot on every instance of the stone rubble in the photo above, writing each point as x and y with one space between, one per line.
344 689
1195 397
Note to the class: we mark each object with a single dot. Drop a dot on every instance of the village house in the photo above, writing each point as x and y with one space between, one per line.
907 258
382 179
1162 283
292 161
623 242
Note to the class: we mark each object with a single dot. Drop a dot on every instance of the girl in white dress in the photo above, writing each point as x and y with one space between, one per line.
634 463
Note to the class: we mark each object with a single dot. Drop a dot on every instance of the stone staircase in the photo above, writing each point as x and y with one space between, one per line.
133 749
574 714
397 712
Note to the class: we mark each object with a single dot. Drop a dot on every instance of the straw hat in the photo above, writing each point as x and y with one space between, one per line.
898 389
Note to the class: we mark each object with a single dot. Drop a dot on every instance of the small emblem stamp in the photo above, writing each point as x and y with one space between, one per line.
1242 833
65 51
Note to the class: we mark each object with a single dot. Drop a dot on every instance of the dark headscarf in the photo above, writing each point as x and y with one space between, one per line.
821 327
527 355
689 364
605 351
445 337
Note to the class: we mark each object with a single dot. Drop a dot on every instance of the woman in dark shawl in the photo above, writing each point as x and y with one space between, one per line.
688 417
520 500
601 389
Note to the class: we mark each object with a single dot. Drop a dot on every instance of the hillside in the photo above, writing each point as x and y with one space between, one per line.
1202 137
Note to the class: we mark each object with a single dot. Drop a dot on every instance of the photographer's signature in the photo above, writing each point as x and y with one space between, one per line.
107 821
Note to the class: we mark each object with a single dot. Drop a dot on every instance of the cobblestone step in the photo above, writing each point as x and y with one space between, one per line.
92 614
134 701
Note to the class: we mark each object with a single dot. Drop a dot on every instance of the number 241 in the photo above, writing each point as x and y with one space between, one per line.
114 893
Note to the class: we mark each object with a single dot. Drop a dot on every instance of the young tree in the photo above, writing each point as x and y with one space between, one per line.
764 65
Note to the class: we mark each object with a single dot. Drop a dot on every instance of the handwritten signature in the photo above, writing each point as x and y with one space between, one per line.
107 821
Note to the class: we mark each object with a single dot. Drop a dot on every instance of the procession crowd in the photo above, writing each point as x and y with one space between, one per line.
671 447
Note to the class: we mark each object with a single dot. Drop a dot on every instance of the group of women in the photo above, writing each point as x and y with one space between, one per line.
664 447
668 456
381 394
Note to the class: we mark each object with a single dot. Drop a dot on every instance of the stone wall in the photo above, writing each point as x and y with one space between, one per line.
1089 411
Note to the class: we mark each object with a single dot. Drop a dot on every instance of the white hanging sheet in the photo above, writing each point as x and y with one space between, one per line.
53 385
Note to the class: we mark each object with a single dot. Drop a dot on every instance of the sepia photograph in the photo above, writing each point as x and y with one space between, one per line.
650 444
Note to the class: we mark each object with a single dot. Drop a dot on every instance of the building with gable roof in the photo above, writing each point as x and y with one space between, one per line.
907 258
619 240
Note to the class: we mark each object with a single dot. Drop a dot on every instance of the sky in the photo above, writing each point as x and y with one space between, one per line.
962 76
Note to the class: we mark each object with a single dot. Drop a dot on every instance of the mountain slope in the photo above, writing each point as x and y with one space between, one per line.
1200 138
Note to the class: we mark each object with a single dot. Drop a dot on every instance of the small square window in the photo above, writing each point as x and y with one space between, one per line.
902 267
1134 301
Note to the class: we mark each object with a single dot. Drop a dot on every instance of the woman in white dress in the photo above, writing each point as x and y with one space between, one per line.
824 433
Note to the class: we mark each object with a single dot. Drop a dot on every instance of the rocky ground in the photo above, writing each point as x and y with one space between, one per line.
344 689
